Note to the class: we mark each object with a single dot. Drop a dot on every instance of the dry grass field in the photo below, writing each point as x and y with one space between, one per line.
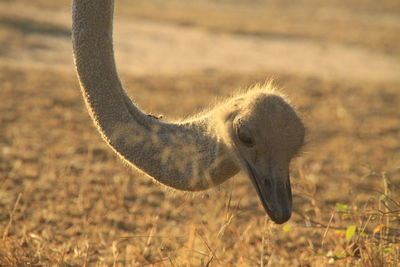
67 200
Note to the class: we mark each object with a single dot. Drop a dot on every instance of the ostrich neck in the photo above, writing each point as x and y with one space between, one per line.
185 156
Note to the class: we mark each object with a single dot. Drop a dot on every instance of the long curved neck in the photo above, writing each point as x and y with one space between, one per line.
183 156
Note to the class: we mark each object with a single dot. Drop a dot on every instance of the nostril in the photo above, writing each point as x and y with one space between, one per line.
267 183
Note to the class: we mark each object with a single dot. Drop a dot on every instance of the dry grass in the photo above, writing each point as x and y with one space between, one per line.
66 200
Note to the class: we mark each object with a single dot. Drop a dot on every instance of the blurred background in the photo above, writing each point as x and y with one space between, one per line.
65 199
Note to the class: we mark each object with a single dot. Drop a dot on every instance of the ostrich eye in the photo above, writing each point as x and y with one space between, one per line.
244 137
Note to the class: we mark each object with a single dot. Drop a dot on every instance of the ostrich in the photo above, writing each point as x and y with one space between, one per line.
258 132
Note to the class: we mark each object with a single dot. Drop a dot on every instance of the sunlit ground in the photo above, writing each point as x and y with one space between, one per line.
66 199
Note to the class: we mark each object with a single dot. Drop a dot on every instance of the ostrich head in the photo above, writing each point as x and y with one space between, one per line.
265 133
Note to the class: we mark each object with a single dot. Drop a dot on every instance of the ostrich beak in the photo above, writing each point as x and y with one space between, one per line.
274 192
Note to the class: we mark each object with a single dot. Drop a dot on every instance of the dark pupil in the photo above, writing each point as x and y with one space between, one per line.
245 139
